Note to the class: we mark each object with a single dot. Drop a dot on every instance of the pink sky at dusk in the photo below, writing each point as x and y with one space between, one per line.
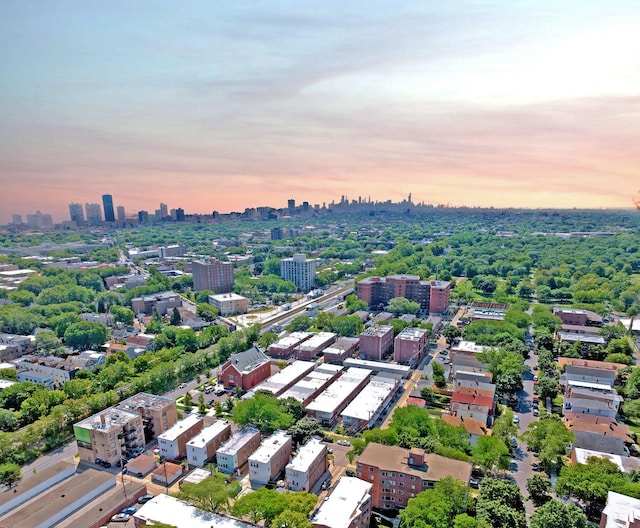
223 107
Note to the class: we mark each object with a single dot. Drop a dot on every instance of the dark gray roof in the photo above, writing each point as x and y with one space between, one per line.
248 360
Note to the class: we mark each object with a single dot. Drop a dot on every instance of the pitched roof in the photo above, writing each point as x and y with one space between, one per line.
472 426
248 360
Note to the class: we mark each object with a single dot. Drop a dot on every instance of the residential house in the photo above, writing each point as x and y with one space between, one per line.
348 506
268 461
246 369
307 467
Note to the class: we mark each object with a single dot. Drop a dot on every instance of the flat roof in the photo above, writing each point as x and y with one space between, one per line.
146 401
376 365
270 446
307 454
469 346
374 394
237 441
33 480
114 419
208 433
308 385
286 377
411 334
337 510
317 340
377 330
587 385
583 338
180 427
169 510
291 340
227 297
621 510
49 503
329 400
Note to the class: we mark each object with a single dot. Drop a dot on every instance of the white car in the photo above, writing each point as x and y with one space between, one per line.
516 419
343 442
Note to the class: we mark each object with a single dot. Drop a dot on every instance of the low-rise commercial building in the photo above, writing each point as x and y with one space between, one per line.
202 447
312 347
234 453
159 302
343 348
307 467
229 303
326 408
621 511
348 506
309 387
285 346
268 461
173 443
379 367
372 402
286 378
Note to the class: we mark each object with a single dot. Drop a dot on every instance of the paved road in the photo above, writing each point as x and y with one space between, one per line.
521 466
66 452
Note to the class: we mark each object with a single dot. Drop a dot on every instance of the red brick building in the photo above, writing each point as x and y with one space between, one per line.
212 274
432 296
399 474
410 345
375 342
245 369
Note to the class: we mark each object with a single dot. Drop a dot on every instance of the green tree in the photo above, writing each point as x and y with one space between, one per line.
291 519
304 429
267 339
491 453
48 343
402 305
353 304
501 505
555 514
22 297
122 315
187 400
539 489
438 506
549 437
176 319
85 335
438 375
300 324
264 504
212 494
206 311
155 324
202 406
9 474
350 325
263 410
451 333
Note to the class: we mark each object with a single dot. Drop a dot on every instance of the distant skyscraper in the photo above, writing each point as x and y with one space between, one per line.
40 221
121 215
212 274
291 204
76 214
94 213
179 214
107 202
143 217
164 212
16 219
300 270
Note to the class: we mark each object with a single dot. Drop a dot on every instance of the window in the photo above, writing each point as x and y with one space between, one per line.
371 469
111 436
401 492
401 484
412 478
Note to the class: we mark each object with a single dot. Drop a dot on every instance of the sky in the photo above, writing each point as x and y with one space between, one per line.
222 105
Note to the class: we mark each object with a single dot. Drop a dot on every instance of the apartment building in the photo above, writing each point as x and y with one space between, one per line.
343 348
159 302
229 303
51 372
307 467
284 347
158 413
432 296
109 435
212 274
300 270
310 348
173 442
348 506
202 447
268 461
375 342
370 404
234 453
399 474
410 346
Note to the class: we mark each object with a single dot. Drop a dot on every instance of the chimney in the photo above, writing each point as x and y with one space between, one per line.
416 457
103 420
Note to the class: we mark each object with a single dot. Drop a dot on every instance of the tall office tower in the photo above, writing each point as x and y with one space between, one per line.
291 204
300 270
40 220
164 212
212 274
143 217
93 213
121 216
305 206
107 202
179 214
76 214
16 219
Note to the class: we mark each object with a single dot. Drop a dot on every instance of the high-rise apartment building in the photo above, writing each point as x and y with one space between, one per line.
76 213
107 203
120 213
40 220
212 274
94 213
432 296
300 270
179 214
16 219
143 217
164 211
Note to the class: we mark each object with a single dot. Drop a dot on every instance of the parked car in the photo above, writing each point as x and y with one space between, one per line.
536 467
343 443
219 392
182 386
514 442
328 440
145 498
516 419
536 412
350 473
330 451
130 510
120 517
474 482
103 463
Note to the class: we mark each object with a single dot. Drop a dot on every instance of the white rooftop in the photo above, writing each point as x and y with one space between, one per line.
329 400
286 376
343 504
365 404
587 385
307 454
180 427
208 433
227 297
469 346
308 385
411 334
237 440
169 510
270 446
317 340
621 511
291 340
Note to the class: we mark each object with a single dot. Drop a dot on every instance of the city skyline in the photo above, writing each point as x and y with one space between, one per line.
224 107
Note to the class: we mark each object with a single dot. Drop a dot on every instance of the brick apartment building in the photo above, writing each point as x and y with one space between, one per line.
212 274
432 296
245 369
375 342
399 474
410 345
